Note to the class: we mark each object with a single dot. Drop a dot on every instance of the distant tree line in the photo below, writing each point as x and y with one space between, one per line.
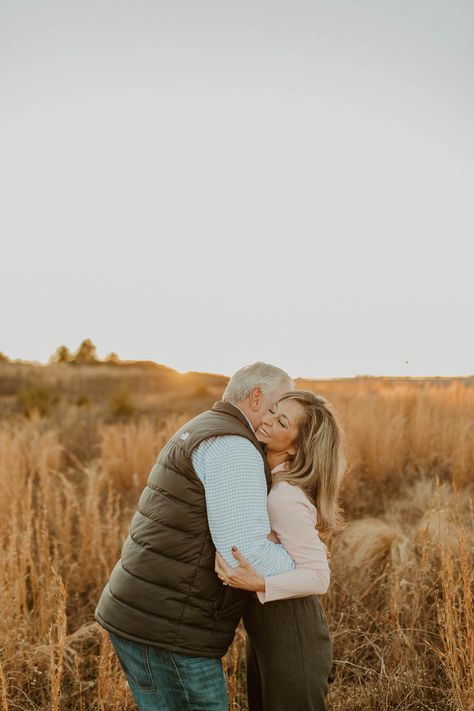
86 354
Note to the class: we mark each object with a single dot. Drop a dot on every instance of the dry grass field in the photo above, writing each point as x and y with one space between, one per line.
76 445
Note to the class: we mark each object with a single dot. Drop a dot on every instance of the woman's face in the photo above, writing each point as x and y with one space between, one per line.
279 428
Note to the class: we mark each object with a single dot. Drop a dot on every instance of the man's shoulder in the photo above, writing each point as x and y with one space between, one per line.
227 445
226 420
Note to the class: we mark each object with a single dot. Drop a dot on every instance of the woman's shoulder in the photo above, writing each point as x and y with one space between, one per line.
284 490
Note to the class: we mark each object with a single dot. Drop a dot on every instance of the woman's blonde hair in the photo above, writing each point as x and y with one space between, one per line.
319 463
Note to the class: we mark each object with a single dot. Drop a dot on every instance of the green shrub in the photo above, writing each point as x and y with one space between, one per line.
82 401
36 398
121 404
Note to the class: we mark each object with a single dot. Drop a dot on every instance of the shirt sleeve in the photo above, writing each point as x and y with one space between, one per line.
293 519
233 475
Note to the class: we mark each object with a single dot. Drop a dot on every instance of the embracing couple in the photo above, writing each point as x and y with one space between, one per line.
226 529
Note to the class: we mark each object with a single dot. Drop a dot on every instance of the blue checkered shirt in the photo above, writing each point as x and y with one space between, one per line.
233 475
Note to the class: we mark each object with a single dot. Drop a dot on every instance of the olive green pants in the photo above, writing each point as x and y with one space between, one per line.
289 655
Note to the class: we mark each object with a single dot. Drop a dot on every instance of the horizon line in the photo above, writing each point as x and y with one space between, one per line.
138 362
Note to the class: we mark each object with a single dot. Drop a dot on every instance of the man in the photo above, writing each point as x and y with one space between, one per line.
169 616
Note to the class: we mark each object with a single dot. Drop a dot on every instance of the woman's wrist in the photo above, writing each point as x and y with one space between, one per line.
260 584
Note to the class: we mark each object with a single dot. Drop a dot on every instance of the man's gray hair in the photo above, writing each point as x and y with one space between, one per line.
258 375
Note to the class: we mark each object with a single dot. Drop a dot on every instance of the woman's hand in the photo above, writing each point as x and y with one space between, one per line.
244 577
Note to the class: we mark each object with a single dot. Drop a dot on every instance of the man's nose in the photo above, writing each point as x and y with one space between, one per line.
268 418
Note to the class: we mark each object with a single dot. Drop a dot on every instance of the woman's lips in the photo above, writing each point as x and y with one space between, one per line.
264 431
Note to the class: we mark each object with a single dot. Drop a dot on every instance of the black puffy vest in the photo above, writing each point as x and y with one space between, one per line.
164 591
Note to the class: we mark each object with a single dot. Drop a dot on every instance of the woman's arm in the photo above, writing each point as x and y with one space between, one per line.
293 519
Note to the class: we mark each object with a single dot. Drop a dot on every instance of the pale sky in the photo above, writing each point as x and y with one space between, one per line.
206 184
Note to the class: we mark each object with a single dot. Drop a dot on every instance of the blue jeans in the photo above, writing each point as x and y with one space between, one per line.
161 680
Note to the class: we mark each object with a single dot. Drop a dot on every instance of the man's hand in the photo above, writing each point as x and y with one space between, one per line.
272 536
244 577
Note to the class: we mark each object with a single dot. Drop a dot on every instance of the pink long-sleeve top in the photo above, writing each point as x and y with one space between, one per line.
293 519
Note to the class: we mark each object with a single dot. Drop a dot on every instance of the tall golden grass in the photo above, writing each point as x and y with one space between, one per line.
400 605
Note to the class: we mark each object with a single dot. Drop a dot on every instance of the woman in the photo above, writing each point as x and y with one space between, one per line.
289 650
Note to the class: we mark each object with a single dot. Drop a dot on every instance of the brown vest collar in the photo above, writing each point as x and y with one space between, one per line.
230 409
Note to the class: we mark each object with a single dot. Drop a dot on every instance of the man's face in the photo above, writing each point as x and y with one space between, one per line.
269 399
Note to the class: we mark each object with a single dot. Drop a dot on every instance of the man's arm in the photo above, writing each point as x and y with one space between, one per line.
232 472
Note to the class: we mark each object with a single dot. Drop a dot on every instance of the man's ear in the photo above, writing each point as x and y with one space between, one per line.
255 399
